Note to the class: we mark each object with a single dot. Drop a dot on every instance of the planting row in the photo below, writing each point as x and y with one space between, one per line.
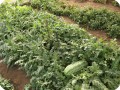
96 19
56 56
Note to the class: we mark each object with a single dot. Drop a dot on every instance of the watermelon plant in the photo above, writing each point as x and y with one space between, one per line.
56 56
97 19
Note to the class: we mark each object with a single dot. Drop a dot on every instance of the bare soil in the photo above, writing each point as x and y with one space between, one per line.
17 77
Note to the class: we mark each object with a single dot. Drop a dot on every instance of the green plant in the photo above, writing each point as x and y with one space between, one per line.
6 84
114 3
94 18
44 47
98 19
114 30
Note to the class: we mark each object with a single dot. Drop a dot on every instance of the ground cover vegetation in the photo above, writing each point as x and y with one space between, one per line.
115 3
6 84
56 56
96 19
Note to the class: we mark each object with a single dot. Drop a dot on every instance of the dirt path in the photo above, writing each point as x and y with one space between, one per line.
96 33
17 77
89 3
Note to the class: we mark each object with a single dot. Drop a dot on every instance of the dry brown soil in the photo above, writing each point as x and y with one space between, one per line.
17 77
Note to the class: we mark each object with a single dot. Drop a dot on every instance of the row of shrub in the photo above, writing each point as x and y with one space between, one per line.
51 51
5 84
97 19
